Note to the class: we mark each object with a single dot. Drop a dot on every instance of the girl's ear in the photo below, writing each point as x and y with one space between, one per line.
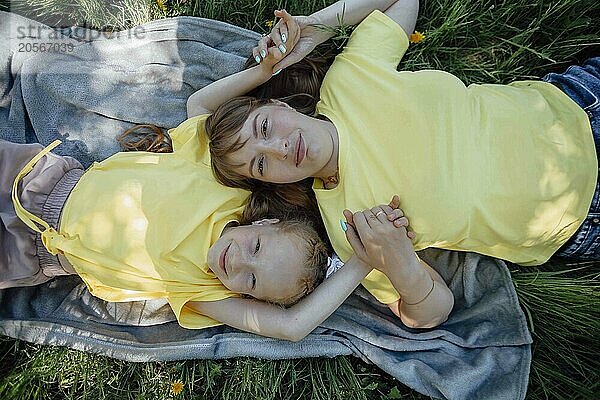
266 221
280 103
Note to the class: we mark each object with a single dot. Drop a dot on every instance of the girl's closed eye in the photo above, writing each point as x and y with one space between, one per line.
257 247
261 165
263 128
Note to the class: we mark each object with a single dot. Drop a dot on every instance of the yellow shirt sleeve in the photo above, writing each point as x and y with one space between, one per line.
185 131
380 286
378 38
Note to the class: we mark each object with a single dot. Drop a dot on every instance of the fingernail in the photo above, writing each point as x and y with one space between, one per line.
281 48
263 53
276 72
257 58
284 37
344 226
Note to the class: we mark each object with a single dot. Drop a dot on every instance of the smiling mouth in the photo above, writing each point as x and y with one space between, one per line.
300 150
222 259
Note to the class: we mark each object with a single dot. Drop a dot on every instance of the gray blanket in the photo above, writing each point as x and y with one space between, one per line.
91 94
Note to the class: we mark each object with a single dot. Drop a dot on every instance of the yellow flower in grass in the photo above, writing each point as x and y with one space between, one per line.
161 4
270 24
177 387
416 37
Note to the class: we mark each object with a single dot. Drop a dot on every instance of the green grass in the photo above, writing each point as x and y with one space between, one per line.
477 40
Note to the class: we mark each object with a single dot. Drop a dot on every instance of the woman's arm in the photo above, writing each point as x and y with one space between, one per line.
403 12
207 99
354 11
302 36
293 323
426 301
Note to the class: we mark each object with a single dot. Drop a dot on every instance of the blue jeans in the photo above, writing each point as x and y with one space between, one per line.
582 84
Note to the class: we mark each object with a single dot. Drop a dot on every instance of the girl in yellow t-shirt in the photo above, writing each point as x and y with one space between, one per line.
508 171
141 226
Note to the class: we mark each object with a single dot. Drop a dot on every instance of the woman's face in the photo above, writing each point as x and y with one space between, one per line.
282 145
258 260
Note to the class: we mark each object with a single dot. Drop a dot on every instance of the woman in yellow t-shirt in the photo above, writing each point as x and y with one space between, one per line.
508 171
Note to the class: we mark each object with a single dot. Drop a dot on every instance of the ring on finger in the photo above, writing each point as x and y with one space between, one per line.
379 212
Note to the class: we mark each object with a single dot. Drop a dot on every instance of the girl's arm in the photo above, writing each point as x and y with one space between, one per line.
295 322
426 301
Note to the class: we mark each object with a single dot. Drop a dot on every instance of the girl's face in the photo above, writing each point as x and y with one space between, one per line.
258 260
282 145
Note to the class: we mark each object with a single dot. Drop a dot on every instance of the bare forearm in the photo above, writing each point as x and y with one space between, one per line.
352 11
426 301
327 297
238 84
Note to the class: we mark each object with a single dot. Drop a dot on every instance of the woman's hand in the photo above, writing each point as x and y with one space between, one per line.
294 38
271 48
379 237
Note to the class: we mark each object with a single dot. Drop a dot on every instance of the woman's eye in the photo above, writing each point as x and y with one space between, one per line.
263 128
257 248
261 166
253 281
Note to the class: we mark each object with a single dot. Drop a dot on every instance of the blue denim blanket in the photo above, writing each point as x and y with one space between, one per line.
89 95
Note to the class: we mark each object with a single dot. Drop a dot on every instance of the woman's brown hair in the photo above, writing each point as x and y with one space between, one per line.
298 85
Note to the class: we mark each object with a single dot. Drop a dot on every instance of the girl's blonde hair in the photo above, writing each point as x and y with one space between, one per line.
314 260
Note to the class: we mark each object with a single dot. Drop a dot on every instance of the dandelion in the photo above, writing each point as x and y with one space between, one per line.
161 4
416 37
177 387
270 24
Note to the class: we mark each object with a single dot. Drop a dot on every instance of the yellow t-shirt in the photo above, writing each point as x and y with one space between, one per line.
139 225
503 170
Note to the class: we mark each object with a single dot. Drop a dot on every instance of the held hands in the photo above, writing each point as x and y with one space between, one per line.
379 236
290 40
